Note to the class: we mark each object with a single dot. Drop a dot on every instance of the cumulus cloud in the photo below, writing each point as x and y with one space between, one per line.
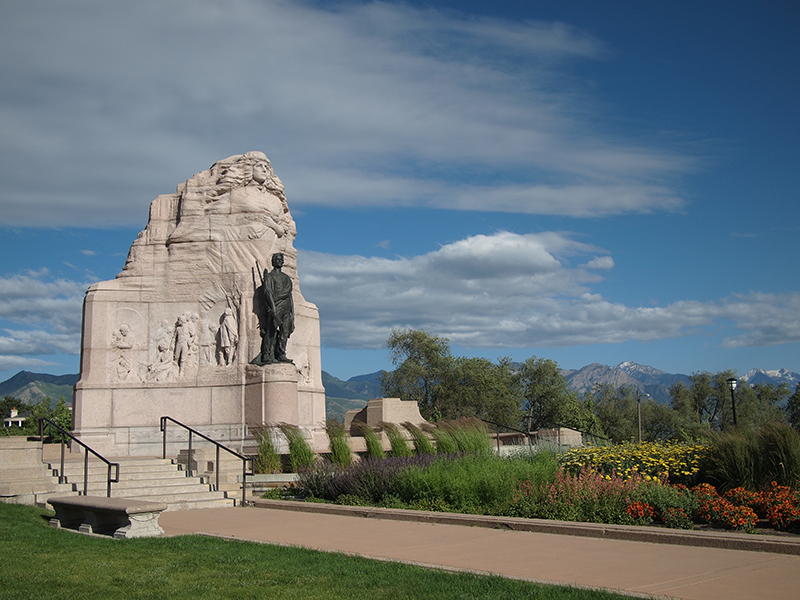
362 104
48 309
510 290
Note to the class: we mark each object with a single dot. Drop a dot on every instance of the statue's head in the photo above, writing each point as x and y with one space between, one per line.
249 167
277 260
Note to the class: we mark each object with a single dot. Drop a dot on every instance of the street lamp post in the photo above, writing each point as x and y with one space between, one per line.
639 406
732 386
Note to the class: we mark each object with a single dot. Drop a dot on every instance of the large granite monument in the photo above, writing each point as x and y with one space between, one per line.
186 330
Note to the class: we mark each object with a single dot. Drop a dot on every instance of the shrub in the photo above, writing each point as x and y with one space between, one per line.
677 518
341 455
301 456
396 439
371 479
779 453
422 443
267 460
781 506
588 496
722 513
481 484
374 444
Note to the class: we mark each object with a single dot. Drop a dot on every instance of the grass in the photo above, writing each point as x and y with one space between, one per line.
301 456
46 563
267 460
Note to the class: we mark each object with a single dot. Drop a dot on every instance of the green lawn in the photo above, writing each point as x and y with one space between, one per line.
38 561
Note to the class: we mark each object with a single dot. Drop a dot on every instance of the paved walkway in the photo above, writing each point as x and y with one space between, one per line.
631 567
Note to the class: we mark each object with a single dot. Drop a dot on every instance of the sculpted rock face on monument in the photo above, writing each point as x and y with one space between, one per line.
173 334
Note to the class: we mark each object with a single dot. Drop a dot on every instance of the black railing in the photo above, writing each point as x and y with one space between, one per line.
66 434
218 446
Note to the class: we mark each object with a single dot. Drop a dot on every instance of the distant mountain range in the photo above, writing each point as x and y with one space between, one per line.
32 387
341 396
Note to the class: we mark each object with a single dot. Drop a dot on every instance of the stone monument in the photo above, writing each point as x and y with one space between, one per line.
176 332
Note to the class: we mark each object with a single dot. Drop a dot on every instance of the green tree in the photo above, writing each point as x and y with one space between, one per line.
793 408
547 401
615 412
423 364
478 387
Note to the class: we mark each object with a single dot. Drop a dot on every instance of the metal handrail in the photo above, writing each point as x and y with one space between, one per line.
218 446
61 477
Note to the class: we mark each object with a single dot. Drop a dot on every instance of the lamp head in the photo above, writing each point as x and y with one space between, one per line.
732 383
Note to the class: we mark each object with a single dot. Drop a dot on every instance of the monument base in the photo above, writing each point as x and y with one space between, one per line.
270 394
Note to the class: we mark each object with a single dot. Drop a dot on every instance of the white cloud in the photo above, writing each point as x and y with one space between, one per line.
363 104
50 309
509 290
8 363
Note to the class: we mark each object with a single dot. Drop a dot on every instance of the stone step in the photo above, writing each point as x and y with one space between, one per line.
16 473
124 474
29 486
145 478
176 497
121 489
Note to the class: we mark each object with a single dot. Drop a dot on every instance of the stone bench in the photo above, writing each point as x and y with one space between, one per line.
117 517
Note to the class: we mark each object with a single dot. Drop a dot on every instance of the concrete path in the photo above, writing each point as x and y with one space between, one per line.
630 567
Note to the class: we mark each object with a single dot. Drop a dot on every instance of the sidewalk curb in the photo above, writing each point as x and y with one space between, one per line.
633 533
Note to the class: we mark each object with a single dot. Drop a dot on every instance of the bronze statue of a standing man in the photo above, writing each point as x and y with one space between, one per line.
278 323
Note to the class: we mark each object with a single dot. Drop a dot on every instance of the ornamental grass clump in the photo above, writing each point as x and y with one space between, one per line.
373 441
779 451
422 443
753 460
301 456
445 444
396 440
470 435
341 455
267 460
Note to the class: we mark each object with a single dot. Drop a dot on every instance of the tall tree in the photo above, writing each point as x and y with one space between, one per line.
478 387
793 408
423 365
547 401
615 412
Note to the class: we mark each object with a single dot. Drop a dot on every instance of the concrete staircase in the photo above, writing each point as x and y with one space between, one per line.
25 479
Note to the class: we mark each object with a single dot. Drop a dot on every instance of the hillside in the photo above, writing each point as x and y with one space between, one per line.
32 387
341 396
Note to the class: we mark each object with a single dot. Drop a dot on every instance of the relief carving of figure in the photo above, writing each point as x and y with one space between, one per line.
184 340
123 341
228 337
206 333
163 369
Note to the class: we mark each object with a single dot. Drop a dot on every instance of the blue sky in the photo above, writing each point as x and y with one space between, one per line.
584 181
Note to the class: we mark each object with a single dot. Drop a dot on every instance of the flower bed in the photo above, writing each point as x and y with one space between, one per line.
680 463
536 486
